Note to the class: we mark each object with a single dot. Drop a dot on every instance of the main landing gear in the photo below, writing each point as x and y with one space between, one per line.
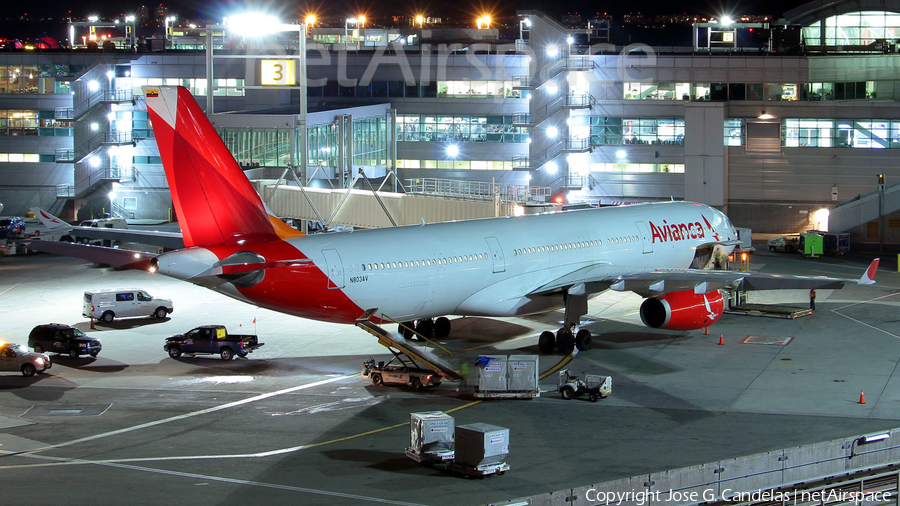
567 339
430 328
564 340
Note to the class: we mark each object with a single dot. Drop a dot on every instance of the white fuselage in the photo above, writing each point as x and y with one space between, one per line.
490 266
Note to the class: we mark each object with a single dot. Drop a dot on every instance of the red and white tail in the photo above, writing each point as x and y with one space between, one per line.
49 221
214 201
868 277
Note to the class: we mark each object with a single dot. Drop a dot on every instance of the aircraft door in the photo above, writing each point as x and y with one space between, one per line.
496 254
646 238
335 269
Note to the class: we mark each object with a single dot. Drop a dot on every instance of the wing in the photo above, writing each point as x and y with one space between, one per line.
169 240
111 256
648 282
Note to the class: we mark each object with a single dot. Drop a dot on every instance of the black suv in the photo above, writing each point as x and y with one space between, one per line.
63 339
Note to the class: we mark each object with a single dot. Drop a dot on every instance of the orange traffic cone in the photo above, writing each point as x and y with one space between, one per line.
721 339
862 397
92 323
705 331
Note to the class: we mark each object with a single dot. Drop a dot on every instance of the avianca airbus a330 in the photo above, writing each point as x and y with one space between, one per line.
489 267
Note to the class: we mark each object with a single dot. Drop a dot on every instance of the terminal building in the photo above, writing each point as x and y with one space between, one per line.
775 124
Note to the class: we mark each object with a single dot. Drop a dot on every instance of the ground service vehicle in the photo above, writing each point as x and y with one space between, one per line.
811 244
63 339
788 243
108 305
100 223
593 385
211 340
382 374
12 227
15 357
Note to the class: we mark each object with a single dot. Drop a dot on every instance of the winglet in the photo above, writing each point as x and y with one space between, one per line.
868 278
49 221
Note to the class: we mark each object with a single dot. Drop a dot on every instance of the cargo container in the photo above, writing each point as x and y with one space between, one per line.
431 436
481 449
510 377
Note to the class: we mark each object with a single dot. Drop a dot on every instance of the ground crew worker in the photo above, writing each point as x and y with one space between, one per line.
812 299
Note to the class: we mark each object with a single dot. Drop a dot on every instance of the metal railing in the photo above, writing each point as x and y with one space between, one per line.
65 155
119 211
553 69
474 190
571 145
99 176
63 113
65 191
92 99
542 113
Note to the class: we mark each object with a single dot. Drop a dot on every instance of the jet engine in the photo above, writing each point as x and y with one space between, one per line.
682 310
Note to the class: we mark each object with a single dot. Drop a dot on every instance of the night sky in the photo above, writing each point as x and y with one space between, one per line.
466 9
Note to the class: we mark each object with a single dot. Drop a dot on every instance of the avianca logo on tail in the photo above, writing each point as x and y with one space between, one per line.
680 231
51 219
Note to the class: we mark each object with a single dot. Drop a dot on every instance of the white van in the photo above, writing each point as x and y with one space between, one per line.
107 305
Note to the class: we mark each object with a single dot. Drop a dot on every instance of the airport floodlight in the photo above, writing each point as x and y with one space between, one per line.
361 19
527 21
552 167
570 40
253 24
726 21
621 154
484 21
552 132
765 115
112 196
352 21
93 19
552 51
171 19
110 74
111 116
528 140
552 88
95 127
310 20
192 25
129 19
95 161
93 85
871 438
453 151
420 19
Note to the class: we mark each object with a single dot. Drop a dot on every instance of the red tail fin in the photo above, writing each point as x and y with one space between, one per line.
215 202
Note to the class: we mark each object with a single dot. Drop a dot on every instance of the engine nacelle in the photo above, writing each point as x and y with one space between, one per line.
682 310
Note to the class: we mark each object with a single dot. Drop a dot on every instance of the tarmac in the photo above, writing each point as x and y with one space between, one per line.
294 422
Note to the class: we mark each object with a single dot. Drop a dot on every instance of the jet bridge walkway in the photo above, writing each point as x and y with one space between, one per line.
396 343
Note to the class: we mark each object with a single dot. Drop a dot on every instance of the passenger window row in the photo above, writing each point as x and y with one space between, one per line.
406 264
573 245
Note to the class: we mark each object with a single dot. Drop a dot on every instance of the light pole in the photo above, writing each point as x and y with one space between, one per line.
362 30
169 19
